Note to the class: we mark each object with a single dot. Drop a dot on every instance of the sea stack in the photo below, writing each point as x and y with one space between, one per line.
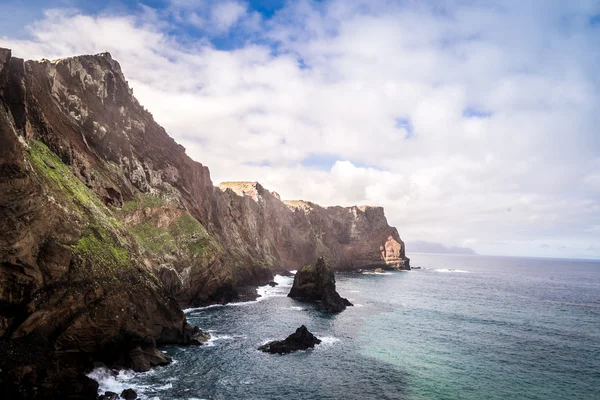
317 283
302 339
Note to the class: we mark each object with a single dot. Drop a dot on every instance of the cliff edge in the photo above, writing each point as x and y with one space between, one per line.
107 227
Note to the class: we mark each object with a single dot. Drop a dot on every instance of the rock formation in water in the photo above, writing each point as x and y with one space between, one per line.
302 339
317 283
107 227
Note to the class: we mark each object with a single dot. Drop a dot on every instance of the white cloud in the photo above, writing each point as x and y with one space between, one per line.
521 172
226 14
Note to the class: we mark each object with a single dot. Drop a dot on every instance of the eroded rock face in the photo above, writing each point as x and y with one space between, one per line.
107 226
302 339
73 285
317 283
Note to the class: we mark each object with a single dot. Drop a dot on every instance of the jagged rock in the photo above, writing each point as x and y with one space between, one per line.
195 335
129 394
273 283
302 339
317 283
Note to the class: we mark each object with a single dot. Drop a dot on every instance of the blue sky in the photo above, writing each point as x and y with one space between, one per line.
473 123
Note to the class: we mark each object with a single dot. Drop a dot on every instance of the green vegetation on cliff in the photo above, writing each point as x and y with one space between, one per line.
101 247
183 234
104 245
142 201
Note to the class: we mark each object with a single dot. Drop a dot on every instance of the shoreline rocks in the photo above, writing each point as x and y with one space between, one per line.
317 283
302 339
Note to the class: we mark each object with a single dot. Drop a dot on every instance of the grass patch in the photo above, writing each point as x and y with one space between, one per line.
143 201
184 234
153 239
99 247
101 250
60 177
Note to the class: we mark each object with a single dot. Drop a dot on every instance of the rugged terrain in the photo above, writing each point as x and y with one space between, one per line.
107 226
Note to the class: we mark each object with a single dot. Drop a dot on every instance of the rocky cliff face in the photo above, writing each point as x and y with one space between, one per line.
71 273
202 242
106 224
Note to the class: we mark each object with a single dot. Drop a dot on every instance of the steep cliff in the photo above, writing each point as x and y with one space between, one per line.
202 242
73 287
106 224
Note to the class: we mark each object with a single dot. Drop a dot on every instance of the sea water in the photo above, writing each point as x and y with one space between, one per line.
462 327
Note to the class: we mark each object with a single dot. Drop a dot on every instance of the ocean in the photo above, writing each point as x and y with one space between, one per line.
462 327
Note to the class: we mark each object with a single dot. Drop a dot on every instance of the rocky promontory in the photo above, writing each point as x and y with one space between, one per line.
107 228
317 283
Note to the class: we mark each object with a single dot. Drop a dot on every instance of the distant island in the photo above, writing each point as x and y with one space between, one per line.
433 247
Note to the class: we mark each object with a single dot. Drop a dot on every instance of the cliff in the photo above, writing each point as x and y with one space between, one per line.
73 285
107 226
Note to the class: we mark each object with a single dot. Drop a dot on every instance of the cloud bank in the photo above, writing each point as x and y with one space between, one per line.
473 123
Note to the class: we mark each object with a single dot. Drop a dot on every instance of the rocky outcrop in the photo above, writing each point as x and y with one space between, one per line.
317 283
74 287
302 339
107 226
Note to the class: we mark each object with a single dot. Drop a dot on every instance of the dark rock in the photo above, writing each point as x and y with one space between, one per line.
302 339
273 283
317 283
129 394
195 336
109 396
144 358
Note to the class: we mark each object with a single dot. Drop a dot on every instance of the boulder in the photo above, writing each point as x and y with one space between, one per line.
302 339
317 283
129 394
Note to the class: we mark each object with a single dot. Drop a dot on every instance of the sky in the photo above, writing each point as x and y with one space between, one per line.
474 123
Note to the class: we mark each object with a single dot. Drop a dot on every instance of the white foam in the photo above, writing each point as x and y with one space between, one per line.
189 310
215 337
326 342
293 272
107 381
451 270
164 387
376 273
284 284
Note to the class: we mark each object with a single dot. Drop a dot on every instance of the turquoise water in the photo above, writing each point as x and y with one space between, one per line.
465 327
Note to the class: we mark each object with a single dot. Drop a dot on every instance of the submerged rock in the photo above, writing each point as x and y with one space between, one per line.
317 283
129 394
302 339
